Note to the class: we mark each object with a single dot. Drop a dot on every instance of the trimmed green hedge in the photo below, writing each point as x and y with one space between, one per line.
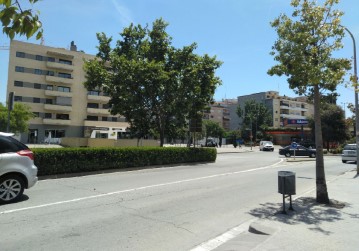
51 161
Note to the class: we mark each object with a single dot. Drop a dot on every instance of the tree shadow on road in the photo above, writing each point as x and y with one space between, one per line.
306 210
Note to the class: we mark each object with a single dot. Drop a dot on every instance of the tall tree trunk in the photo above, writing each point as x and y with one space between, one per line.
322 192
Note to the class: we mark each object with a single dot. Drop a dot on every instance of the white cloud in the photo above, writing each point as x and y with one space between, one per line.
125 13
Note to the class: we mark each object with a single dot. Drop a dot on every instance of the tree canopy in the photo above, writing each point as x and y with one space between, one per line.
19 118
153 84
334 126
212 129
255 116
303 50
15 20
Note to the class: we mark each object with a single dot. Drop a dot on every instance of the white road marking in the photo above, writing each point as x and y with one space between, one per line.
223 238
137 189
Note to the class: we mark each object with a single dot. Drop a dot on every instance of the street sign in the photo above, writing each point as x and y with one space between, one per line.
294 145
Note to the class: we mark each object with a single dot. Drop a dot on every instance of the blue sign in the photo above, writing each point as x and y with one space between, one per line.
294 145
297 122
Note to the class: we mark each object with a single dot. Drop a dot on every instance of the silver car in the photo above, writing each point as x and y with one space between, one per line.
17 169
349 153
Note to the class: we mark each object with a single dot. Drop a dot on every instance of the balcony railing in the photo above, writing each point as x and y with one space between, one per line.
60 108
59 66
57 93
54 79
104 99
56 122
97 111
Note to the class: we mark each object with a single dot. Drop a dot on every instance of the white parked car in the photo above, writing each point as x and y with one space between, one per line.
266 146
17 169
349 153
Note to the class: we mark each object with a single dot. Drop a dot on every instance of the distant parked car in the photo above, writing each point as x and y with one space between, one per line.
299 151
210 143
17 169
349 153
307 144
266 146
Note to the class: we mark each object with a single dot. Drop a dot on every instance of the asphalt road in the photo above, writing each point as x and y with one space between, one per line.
169 208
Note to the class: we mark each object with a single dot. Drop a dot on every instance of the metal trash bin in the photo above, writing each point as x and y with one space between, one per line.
286 186
286 182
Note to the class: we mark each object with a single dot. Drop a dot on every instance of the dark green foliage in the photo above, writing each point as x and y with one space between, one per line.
74 160
18 21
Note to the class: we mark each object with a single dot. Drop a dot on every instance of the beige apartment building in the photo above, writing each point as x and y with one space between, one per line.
285 111
50 81
220 112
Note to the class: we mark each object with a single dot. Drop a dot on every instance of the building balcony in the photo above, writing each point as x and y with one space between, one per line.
59 66
58 80
58 94
59 54
291 116
58 108
56 122
97 111
106 124
103 99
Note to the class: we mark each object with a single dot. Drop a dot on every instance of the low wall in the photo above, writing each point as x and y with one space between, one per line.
74 142
133 142
88 142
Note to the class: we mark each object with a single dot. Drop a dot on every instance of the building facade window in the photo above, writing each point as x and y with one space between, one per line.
19 69
50 73
92 118
48 116
63 61
36 114
50 59
18 98
49 101
62 116
92 105
49 87
38 72
20 54
39 58
18 83
94 93
63 89
64 75
37 86
36 100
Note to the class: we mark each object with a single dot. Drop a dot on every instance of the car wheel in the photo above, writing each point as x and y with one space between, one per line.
312 155
287 154
344 161
272 150
11 188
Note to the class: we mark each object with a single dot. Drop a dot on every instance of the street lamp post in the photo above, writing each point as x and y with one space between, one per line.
356 97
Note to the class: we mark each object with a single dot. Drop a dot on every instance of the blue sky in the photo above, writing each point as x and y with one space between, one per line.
236 31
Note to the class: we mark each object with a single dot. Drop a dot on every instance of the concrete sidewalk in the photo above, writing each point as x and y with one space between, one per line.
232 149
311 226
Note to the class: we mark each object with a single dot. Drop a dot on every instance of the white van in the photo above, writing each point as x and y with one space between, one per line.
266 146
109 133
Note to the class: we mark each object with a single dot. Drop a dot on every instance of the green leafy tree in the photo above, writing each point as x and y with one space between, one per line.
19 118
212 129
255 116
233 136
15 20
334 126
304 53
150 82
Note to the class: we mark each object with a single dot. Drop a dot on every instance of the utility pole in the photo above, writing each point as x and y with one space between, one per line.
355 82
